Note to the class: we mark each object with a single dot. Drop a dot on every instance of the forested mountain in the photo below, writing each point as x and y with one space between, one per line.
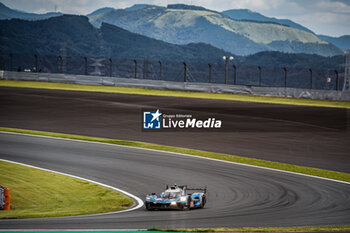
182 24
78 37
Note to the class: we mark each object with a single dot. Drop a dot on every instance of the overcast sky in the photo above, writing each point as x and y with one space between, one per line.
327 17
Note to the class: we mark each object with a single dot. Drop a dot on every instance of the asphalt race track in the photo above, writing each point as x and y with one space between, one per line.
237 195
309 136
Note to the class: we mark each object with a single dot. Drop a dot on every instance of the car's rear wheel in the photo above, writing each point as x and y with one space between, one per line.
203 202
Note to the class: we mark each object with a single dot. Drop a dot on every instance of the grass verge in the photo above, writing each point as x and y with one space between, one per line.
226 157
345 228
36 193
187 94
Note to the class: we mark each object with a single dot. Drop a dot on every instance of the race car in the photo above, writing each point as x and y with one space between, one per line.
177 197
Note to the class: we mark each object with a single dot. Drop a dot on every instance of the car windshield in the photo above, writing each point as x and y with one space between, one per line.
168 194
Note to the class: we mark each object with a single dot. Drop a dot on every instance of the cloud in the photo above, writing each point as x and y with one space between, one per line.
333 7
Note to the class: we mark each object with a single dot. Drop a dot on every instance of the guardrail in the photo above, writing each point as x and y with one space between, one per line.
182 86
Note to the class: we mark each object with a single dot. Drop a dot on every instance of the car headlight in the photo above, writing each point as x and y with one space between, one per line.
183 199
173 203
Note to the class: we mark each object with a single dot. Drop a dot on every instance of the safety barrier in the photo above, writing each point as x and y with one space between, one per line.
171 85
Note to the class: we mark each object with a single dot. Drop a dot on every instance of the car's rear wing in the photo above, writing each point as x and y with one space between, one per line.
184 187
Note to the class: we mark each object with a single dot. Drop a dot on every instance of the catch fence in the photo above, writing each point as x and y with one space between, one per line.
307 78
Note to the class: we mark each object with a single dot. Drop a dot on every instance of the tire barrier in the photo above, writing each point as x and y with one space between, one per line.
5 198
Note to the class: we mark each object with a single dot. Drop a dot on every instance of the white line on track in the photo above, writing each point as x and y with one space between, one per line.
186 155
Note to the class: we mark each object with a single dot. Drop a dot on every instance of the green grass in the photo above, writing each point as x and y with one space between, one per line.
262 229
226 157
187 94
36 193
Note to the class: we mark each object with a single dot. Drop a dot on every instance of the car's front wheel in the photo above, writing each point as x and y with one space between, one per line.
189 199
181 207
148 207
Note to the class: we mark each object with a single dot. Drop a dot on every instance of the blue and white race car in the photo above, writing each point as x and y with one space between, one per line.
177 197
